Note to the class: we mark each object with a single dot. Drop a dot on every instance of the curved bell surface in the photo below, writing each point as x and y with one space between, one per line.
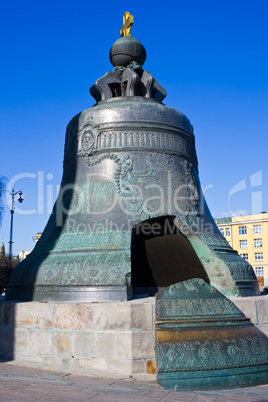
130 163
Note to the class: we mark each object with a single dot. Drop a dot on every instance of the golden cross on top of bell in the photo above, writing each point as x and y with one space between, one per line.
128 21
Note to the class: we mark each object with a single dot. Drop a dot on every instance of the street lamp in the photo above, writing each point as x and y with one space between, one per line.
20 199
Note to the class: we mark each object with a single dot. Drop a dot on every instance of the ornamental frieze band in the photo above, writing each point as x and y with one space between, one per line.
136 139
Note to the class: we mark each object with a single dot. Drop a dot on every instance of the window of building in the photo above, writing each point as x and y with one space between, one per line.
227 232
256 229
259 271
258 256
222 232
243 244
257 243
242 230
244 255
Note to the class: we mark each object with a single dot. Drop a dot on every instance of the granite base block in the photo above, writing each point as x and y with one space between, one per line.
114 337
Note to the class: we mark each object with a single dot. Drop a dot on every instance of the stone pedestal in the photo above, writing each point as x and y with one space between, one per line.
117 337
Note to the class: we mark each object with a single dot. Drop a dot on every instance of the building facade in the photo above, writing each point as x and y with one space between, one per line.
249 236
37 237
23 254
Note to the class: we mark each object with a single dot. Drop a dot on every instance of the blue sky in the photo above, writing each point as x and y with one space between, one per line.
210 56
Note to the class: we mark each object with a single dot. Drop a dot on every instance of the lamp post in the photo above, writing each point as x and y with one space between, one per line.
20 199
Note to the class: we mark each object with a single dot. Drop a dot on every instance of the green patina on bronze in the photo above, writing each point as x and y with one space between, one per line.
203 341
128 160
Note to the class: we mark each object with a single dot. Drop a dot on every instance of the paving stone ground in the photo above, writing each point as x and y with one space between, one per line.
24 383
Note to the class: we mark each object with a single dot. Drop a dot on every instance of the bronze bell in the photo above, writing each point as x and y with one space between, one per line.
130 217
